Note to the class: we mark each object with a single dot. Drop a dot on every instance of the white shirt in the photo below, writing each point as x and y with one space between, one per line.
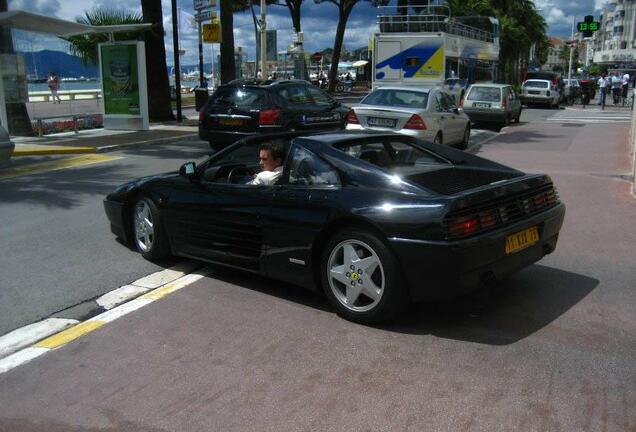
267 177
626 79
602 82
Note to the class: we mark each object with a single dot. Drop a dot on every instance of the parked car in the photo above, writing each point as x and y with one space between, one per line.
553 77
427 113
542 92
457 88
251 107
495 103
375 220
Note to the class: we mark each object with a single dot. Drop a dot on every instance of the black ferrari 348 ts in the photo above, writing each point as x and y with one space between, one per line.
374 219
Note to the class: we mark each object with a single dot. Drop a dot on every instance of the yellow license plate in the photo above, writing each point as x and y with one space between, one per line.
522 240
232 122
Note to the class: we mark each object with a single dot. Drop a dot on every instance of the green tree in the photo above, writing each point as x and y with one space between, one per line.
85 46
17 114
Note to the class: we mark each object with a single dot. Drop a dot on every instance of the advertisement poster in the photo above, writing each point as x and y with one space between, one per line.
120 79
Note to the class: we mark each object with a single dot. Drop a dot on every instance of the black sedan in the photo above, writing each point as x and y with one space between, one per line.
374 220
251 107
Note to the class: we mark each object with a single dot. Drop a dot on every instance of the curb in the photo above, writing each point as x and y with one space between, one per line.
114 147
22 345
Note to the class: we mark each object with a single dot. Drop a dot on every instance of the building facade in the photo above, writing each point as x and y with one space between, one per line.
615 43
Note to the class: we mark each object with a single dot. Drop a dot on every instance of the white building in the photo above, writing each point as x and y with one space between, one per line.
615 42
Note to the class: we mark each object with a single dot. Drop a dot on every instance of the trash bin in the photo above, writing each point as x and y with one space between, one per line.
6 146
200 97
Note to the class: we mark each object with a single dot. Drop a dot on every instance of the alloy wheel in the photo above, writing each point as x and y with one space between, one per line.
144 227
356 275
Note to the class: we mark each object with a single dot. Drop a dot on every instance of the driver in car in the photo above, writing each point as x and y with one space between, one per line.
271 155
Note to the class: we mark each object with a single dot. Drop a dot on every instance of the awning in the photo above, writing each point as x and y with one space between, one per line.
360 63
29 21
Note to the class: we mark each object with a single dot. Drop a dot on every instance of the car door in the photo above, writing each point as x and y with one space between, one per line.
456 122
299 210
217 221
438 115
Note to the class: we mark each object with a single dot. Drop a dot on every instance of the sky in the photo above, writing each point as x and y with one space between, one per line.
318 23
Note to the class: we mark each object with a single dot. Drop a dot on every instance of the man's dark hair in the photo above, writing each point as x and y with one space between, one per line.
277 148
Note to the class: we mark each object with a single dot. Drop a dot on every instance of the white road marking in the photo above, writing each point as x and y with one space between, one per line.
30 334
21 357
160 278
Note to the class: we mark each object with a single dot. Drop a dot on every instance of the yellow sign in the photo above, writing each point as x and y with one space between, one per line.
211 33
434 67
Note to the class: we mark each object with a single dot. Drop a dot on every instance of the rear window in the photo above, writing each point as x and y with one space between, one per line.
489 94
240 97
390 154
399 98
536 84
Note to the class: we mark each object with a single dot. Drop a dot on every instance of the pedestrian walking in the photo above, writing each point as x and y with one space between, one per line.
54 85
348 82
602 86
616 83
626 78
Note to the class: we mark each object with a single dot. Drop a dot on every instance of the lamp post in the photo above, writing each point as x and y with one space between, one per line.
177 65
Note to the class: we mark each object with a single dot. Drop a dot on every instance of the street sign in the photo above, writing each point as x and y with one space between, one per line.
212 32
316 56
205 15
202 4
588 26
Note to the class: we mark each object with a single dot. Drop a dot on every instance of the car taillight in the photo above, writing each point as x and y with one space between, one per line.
463 226
268 116
415 122
352 118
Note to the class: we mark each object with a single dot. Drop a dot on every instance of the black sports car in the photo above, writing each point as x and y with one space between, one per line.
374 219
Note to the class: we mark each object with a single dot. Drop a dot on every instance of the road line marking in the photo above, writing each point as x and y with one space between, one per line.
72 162
29 334
160 278
69 335
176 285
120 311
21 357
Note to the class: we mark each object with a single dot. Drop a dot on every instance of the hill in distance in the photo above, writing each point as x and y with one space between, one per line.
65 65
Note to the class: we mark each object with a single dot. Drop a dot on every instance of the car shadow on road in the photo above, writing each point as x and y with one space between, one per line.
190 150
502 313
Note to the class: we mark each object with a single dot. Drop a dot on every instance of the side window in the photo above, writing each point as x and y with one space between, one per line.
319 97
437 104
295 95
450 102
306 169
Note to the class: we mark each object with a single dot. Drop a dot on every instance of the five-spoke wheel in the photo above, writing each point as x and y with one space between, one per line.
360 276
148 234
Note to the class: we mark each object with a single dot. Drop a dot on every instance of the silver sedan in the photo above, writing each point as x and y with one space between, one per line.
427 113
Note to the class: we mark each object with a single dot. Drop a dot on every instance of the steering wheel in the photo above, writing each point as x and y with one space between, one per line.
238 173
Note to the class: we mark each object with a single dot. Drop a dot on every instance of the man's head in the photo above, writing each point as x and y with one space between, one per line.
271 154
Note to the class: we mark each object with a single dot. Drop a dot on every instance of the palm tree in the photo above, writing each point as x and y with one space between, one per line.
228 66
85 46
17 114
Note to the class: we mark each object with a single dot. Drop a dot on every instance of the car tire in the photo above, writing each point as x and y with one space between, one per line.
149 236
463 145
377 294
506 121
438 139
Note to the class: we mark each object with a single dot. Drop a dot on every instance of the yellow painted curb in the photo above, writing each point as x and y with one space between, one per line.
41 150
41 167
161 292
69 335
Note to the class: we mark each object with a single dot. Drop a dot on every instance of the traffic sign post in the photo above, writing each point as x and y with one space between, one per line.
204 12
212 32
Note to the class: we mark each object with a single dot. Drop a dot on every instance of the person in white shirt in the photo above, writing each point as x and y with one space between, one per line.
270 158
625 86
602 85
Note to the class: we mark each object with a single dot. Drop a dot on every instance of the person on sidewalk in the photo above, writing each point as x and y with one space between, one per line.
616 83
625 95
54 85
602 87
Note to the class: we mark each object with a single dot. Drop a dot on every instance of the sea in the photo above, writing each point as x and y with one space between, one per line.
90 85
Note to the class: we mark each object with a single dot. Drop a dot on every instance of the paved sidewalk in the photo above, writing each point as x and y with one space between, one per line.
101 140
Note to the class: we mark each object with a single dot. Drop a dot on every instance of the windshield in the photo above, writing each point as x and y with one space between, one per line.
489 94
390 154
400 98
536 84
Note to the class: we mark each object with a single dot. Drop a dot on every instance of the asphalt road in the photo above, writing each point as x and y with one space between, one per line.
552 348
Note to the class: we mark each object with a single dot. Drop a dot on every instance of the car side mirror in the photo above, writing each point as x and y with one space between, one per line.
188 170
457 110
